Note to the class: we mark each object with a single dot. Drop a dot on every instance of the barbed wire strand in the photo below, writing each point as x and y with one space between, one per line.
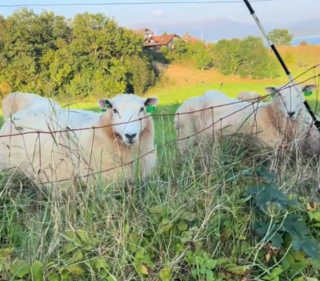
154 115
128 3
162 115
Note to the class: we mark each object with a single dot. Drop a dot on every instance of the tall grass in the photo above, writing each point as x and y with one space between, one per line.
190 221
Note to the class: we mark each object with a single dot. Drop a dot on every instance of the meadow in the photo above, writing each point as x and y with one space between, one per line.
221 216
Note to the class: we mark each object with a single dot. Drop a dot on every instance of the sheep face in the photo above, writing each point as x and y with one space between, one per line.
128 114
289 101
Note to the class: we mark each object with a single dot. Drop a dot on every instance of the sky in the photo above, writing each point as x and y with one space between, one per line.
281 11
153 15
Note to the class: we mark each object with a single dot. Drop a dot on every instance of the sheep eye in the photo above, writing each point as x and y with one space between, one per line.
141 109
115 111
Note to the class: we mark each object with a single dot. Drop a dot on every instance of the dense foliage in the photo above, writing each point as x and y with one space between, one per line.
90 54
247 57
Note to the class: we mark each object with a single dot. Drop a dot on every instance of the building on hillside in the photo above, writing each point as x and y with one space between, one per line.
188 38
156 42
146 32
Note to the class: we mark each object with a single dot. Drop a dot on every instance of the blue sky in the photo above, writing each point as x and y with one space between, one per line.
278 11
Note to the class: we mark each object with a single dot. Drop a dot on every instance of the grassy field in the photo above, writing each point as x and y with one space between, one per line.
203 217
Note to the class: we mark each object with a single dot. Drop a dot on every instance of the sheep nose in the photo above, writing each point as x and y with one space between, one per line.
130 137
291 113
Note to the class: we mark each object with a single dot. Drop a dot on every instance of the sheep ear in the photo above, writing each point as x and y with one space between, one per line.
150 103
307 89
271 91
153 101
104 104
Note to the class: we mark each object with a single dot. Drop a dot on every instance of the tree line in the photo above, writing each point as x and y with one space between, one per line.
54 56
247 57
91 55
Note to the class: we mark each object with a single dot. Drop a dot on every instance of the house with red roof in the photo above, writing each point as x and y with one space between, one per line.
155 42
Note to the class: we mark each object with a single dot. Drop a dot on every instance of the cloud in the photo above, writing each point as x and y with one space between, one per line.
157 13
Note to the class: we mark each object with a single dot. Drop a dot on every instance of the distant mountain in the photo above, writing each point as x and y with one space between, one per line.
305 28
214 30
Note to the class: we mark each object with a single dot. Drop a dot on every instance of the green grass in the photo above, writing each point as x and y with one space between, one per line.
190 221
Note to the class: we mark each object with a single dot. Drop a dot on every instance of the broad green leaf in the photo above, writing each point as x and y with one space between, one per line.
298 266
126 228
144 269
99 262
68 248
84 236
52 276
298 279
19 268
209 275
211 264
4 253
182 226
140 254
71 236
316 216
77 256
36 271
298 256
165 228
165 274
276 272
236 269
287 262
75 269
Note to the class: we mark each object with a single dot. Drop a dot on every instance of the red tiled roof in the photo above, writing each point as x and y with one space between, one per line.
161 40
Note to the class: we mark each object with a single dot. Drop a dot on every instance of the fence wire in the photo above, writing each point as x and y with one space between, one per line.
315 77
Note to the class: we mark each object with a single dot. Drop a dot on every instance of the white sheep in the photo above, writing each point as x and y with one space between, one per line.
62 156
17 101
309 136
274 121
278 122
211 113
249 96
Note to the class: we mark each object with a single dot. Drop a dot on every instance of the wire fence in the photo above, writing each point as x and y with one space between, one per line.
315 78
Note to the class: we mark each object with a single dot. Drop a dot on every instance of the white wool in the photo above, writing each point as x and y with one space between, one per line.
225 111
17 101
248 96
60 156
276 122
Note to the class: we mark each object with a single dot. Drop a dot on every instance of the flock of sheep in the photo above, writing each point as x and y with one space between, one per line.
50 143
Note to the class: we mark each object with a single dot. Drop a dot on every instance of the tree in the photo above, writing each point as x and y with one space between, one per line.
281 36
247 57
254 59
90 54
180 47
303 43
203 59
226 57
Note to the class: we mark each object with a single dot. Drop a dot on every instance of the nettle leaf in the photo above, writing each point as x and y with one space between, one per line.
266 194
296 243
294 226
264 172
276 240
311 248
268 232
